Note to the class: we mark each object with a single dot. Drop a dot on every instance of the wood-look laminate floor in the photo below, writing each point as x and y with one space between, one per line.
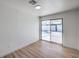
43 49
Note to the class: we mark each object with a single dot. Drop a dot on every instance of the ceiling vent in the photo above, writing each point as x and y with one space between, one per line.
33 2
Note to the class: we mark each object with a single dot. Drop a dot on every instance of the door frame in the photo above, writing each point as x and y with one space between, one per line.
40 29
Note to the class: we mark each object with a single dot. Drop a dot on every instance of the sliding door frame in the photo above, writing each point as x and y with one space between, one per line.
40 29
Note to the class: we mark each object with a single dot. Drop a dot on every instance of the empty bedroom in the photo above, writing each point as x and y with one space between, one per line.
39 28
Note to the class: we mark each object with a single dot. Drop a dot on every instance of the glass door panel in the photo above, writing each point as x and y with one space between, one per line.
56 31
46 30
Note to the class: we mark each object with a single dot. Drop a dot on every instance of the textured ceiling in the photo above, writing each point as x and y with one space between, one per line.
48 6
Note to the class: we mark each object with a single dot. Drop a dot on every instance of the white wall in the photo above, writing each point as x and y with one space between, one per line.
78 29
17 29
70 27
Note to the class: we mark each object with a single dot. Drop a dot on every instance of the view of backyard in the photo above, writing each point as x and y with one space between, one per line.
52 30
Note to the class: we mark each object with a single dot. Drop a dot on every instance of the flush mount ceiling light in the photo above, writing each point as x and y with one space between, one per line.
37 7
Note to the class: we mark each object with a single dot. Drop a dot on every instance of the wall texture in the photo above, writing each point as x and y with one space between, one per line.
70 27
17 29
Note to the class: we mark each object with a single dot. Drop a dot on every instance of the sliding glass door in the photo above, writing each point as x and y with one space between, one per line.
52 30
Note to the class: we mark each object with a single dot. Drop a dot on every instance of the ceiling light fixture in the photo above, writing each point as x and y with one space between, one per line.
37 7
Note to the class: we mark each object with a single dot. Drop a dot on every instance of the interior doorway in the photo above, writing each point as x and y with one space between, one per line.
52 30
